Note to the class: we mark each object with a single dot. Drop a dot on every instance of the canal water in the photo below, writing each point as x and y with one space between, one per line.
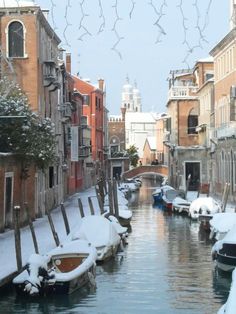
166 268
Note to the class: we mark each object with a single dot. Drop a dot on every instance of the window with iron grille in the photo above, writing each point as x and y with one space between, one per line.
15 40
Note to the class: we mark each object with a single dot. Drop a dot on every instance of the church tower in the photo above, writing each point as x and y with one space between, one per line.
131 99
232 14
137 99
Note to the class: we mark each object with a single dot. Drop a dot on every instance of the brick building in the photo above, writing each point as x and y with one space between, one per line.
94 113
29 56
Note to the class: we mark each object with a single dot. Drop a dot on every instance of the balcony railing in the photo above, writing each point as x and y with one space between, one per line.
182 92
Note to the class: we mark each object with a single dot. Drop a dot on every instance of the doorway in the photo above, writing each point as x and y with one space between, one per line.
192 169
116 172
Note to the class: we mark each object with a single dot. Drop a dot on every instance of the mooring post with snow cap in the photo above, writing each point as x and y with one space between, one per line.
116 206
81 209
101 189
31 229
63 211
91 205
54 233
110 197
16 216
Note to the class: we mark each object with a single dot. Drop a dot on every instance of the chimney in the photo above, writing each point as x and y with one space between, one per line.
68 62
101 84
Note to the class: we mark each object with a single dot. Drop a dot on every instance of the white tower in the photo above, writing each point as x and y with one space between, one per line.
232 14
137 99
131 99
127 96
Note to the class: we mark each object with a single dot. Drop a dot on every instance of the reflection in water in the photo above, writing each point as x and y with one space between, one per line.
166 268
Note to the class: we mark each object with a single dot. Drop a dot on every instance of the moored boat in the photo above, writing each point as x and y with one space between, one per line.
63 270
101 233
159 192
180 205
224 251
220 224
203 206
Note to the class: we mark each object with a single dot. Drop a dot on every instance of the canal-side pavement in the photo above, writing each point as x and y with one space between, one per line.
43 234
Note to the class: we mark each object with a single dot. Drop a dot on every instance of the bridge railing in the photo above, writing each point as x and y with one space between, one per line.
161 170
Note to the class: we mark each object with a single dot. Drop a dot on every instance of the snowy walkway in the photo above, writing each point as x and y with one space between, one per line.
43 232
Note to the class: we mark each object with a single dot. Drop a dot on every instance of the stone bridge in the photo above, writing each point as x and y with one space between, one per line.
160 170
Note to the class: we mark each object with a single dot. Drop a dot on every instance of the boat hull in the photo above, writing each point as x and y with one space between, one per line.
226 263
60 287
157 197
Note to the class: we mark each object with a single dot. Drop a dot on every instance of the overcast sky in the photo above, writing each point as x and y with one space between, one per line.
138 55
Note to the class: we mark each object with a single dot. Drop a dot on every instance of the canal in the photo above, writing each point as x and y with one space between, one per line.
166 268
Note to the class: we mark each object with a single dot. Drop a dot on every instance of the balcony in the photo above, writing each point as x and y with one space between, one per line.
182 92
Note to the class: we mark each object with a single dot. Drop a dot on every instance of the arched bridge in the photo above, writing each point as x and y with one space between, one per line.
160 170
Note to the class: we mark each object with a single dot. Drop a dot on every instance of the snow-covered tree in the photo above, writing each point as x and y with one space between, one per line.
22 132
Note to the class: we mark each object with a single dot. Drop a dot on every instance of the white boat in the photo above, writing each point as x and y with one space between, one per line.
230 305
181 205
101 233
224 251
62 271
206 206
220 224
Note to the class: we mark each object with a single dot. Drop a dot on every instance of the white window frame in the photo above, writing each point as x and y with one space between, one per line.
25 55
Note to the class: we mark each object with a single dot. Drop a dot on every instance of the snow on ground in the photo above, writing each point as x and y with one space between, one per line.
43 232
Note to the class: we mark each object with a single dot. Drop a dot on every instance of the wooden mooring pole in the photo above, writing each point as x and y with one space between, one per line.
63 211
115 197
100 202
81 209
16 217
54 233
91 206
110 197
32 229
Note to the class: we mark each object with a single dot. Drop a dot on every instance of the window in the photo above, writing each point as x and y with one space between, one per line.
192 121
15 40
86 100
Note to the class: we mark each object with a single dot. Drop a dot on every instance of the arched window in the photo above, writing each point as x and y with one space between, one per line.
192 121
15 40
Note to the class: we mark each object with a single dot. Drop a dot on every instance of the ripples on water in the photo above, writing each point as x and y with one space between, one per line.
166 268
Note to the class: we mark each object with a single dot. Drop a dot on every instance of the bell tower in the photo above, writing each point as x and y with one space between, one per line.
232 17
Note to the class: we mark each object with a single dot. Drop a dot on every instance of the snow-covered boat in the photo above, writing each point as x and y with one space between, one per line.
63 270
131 185
101 233
206 206
181 205
220 224
224 251
230 305
168 198
160 191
